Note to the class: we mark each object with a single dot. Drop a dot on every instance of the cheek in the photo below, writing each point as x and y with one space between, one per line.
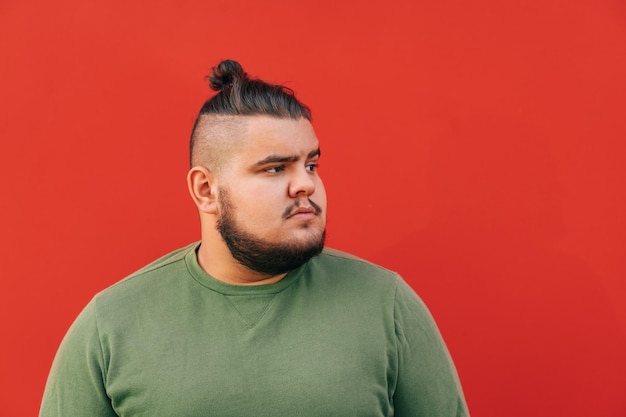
260 207
319 196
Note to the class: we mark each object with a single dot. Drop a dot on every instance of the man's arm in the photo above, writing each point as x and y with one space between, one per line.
75 386
427 383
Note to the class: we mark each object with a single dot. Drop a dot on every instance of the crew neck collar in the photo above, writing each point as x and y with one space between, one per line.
206 280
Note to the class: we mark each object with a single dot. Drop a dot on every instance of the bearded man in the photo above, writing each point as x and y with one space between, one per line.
258 318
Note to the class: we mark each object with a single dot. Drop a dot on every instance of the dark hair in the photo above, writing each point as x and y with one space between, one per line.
239 95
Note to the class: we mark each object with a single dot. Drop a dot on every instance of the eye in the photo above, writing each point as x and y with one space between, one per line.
312 166
275 170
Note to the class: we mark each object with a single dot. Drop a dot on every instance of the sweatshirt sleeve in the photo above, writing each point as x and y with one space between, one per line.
76 383
427 382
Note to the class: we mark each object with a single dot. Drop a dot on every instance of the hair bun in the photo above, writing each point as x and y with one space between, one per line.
225 74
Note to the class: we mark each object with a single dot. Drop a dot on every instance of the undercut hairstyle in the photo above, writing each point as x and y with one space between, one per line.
217 124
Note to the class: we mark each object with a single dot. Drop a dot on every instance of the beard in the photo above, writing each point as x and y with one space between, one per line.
260 255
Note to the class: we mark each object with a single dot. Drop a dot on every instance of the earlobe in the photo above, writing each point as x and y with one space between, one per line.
202 187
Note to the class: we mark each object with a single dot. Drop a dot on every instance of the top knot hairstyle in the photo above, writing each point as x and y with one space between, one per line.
240 95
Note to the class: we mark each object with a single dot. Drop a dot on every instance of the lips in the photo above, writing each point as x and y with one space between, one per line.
302 210
302 207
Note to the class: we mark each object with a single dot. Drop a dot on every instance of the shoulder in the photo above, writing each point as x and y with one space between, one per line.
151 277
165 260
340 269
333 258
365 274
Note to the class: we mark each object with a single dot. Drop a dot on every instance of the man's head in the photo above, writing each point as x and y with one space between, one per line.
254 175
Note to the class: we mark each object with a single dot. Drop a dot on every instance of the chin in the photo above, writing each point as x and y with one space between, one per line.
314 241
308 235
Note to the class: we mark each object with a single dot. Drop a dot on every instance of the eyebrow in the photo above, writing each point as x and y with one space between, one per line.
273 159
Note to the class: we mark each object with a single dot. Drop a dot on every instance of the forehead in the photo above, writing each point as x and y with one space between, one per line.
276 136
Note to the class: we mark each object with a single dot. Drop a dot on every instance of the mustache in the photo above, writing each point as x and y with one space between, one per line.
297 204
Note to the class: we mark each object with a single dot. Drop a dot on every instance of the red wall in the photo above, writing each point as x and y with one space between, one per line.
477 147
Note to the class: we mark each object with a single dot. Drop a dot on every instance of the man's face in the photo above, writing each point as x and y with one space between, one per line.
272 202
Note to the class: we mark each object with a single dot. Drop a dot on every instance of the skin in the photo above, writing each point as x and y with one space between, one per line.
216 138
272 169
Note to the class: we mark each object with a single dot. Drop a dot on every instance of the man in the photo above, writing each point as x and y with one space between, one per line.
257 319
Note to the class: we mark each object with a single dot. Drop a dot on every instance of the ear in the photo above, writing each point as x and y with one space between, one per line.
203 189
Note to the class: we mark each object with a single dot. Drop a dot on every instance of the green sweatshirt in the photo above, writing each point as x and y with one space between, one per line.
336 337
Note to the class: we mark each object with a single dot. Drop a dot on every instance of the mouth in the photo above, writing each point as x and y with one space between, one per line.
304 212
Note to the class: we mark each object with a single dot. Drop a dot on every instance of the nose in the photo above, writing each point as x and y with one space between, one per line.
302 183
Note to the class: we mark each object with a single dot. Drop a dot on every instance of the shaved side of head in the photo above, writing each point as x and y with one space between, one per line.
215 138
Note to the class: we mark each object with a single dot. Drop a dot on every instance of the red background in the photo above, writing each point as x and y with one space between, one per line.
477 147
